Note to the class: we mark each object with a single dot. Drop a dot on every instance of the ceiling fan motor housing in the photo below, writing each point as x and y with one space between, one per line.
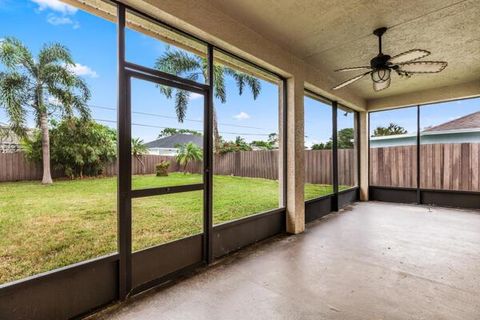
380 61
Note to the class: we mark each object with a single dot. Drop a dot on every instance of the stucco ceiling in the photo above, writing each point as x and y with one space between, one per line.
334 34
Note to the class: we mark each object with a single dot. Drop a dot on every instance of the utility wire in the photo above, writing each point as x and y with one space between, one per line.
172 117
199 131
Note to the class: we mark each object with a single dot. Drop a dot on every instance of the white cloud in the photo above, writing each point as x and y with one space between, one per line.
242 116
59 13
309 143
55 5
81 70
195 96
62 20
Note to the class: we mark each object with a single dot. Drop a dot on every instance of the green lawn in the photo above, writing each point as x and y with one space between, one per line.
46 227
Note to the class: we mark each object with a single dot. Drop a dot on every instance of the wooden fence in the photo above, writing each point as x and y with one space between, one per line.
452 166
255 164
443 166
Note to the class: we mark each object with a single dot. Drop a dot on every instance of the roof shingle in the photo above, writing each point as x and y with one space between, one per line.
175 140
470 121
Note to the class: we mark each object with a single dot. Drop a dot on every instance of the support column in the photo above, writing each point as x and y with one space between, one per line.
282 144
295 155
364 155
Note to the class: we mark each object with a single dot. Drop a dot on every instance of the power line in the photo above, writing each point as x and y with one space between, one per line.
172 117
199 131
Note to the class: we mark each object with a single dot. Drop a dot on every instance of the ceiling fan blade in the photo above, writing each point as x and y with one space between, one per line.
353 69
349 81
410 55
379 86
422 66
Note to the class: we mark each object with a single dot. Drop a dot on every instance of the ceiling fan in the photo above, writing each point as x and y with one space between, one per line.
404 64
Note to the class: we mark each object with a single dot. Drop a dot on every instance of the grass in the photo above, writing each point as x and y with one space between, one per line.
46 227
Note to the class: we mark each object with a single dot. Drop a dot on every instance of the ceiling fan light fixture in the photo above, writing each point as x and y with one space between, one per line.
380 75
404 64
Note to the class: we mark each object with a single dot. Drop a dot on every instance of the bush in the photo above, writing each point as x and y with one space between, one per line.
234 146
78 147
162 168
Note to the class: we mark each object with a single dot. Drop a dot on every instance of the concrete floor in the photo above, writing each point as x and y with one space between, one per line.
371 261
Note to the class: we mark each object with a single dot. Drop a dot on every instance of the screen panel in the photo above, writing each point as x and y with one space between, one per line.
318 148
449 150
71 217
393 150
167 135
247 140
347 148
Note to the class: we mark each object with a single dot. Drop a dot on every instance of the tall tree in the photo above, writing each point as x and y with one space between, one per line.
192 67
390 130
167 132
43 85
345 140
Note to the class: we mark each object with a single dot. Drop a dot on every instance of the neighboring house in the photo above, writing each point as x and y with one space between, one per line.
9 141
168 146
462 130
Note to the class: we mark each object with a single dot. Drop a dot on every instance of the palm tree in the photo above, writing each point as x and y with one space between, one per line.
139 149
191 67
44 85
188 152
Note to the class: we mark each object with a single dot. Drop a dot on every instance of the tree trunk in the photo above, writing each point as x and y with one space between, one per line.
216 135
141 163
47 176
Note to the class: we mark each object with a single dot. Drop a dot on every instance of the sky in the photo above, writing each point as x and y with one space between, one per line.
92 42
430 115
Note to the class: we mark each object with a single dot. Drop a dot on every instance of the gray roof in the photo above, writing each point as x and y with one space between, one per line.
175 140
470 121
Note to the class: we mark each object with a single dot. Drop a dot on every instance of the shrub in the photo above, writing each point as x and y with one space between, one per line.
234 146
78 147
162 168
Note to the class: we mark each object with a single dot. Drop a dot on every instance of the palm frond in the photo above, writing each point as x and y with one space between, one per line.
219 83
181 104
13 53
178 62
69 89
54 53
69 101
165 90
242 79
14 94
254 85
57 74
